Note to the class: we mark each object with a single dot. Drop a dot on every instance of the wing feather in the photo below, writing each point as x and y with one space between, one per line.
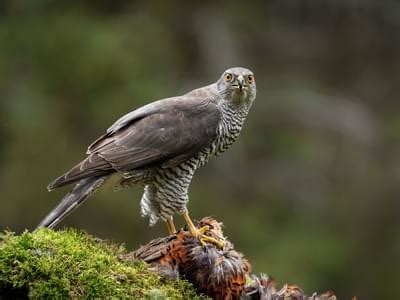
180 131
164 133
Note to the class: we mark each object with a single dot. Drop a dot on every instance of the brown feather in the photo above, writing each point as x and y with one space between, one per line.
218 273
181 127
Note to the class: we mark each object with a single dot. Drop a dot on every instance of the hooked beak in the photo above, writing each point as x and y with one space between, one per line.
239 83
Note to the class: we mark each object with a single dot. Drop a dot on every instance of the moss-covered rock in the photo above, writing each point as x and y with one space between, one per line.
60 264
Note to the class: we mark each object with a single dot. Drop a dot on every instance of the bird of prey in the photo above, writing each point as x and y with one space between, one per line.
160 146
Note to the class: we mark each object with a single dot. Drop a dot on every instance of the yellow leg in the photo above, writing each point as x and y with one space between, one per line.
199 233
171 226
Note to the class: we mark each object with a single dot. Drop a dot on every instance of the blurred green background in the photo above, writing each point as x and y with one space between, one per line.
310 192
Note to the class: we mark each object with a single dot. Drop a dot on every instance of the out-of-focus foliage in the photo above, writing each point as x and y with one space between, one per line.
310 192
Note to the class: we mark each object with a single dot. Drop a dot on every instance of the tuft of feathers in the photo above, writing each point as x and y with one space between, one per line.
217 273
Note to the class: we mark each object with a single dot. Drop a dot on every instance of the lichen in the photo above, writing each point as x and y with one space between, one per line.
73 264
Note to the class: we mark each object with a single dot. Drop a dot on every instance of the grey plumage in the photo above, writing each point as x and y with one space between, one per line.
160 145
82 190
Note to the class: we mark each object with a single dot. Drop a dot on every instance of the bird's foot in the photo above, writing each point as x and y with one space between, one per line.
205 239
200 233
203 229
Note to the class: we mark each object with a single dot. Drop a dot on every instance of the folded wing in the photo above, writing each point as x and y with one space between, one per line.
165 132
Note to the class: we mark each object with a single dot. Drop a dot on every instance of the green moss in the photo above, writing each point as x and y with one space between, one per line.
60 264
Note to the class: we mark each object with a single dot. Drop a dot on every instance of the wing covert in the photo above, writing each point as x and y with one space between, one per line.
174 131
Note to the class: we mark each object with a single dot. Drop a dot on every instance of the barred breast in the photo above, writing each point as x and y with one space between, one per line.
167 193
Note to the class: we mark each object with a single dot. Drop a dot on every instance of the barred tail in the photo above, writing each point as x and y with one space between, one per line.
82 190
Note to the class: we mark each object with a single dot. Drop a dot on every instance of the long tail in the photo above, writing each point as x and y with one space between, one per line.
82 190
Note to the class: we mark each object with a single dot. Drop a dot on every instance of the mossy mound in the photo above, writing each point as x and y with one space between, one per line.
61 264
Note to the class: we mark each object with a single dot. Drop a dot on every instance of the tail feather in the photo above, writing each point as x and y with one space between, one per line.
92 166
82 190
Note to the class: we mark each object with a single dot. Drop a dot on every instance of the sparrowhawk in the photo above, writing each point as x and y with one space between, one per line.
160 146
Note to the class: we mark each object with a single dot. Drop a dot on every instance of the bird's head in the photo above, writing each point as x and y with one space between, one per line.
238 85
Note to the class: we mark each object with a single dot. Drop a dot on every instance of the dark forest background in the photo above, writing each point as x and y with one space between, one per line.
310 192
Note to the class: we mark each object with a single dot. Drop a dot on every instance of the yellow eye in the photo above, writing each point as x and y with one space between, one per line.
228 77
250 79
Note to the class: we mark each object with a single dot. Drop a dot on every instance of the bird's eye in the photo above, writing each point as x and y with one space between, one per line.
250 79
228 77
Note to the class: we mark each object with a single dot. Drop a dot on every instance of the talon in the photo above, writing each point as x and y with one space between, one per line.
199 233
207 239
202 242
203 229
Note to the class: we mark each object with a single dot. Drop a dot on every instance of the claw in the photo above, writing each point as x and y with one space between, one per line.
210 240
204 229
200 233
